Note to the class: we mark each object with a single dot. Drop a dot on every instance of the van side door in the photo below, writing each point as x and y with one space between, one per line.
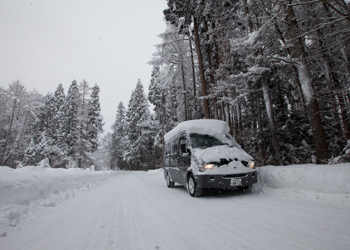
184 158
172 159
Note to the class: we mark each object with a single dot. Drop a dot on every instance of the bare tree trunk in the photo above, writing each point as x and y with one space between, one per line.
162 133
18 142
222 111
235 115
340 7
184 90
193 79
333 77
201 71
229 116
297 47
337 100
239 117
212 69
235 121
22 132
249 21
295 70
173 111
272 124
346 56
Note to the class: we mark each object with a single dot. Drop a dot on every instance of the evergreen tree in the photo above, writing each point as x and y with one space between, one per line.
158 96
138 130
44 149
59 98
119 139
32 154
95 119
84 145
45 136
69 131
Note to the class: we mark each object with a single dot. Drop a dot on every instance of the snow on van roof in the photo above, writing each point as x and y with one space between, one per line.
203 126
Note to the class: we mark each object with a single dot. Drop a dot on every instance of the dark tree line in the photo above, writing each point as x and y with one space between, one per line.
57 130
276 71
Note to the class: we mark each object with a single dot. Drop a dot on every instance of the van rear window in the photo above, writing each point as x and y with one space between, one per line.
204 141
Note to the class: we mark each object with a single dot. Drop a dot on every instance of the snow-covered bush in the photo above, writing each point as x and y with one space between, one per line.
44 163
344 155
18 164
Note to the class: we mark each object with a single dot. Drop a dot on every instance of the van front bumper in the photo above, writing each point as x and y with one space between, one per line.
226 181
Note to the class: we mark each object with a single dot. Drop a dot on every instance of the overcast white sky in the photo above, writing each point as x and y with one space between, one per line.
108 42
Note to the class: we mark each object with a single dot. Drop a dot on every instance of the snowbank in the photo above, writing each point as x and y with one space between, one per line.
33 188
309 181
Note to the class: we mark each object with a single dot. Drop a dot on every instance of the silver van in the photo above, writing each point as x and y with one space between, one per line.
201 154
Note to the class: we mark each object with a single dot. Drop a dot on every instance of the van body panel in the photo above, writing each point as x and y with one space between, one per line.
184 163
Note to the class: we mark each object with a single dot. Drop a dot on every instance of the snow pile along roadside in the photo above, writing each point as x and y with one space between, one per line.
309 181
27 189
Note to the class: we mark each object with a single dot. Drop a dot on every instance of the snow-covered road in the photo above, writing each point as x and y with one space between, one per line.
135 210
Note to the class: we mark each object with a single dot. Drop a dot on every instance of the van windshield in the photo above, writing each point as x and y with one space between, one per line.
204 141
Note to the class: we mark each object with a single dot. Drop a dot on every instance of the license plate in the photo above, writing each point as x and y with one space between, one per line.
236 182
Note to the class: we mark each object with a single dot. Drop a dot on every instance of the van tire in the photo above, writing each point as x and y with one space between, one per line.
169 183
192 187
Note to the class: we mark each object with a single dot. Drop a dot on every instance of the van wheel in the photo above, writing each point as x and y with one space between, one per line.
192 187
169 183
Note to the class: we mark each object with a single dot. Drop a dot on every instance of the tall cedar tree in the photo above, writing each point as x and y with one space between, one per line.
118 139
137 131
69 131
95 118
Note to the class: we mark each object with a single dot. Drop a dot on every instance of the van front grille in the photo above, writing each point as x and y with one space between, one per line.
234 176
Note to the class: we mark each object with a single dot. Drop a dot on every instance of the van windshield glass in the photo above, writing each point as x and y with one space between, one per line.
204 141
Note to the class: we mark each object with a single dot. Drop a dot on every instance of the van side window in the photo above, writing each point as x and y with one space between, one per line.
183 145
174 147
167 149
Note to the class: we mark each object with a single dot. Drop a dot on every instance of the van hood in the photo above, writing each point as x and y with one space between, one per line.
221 153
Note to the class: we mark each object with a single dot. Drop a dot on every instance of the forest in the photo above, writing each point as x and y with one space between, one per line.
55 130
277 71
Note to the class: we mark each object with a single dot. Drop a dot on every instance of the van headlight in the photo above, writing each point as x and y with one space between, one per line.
209 166
251 164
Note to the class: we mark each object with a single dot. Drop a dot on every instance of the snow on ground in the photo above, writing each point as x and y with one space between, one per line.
293 207
31 189
330 183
